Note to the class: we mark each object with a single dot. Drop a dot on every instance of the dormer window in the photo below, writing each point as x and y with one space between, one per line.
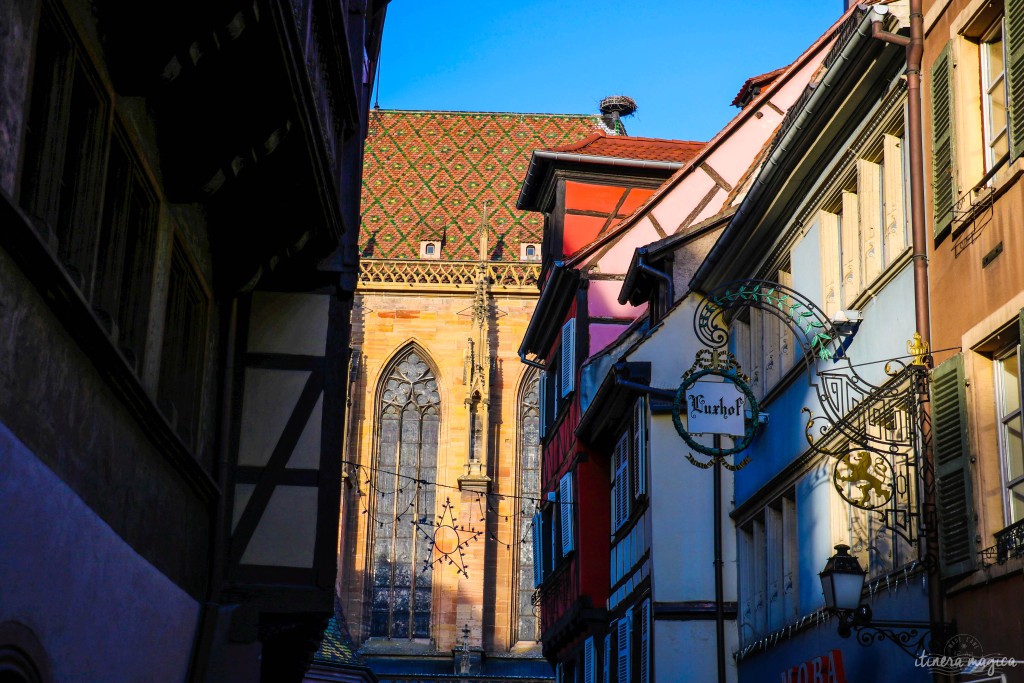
529 251
430 249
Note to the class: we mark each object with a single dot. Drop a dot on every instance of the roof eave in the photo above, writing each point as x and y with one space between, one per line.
801 131
541 157
612 398
547 317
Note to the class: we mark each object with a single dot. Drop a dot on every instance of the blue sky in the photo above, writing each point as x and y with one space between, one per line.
682 61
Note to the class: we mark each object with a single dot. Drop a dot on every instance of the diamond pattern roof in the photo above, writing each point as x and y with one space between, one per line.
433 175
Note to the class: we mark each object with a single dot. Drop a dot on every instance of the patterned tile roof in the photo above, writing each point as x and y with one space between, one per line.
337 647
430 175
626 147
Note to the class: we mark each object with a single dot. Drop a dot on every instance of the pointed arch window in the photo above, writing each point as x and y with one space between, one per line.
527 627
409 416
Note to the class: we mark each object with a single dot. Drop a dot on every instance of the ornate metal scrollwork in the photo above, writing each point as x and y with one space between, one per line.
817 335
872 430
863 479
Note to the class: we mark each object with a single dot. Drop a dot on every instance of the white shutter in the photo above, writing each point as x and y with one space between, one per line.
622 490
639 447
538 549
607 658
568 365
623 653
645 641
566 507
542 388
589 665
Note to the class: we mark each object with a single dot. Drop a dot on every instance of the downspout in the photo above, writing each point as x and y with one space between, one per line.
929 549
654 272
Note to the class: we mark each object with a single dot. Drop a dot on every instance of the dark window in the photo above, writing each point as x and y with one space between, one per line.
128 237
528 621
184 349
409 411
85 188
65 149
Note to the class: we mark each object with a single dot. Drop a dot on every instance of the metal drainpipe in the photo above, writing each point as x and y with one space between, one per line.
532 363
664 277
929 549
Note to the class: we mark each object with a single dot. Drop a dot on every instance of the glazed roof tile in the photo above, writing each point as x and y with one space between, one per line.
337 647
625 147
432 175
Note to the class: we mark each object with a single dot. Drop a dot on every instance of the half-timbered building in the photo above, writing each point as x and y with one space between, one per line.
179 192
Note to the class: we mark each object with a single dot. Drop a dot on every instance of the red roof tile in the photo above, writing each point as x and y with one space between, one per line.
625 147
754 85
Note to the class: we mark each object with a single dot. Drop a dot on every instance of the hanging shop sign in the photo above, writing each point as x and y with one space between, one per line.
825 669
715 398
715 408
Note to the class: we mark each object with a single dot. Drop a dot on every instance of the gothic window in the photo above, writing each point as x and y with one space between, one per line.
409 414
527 620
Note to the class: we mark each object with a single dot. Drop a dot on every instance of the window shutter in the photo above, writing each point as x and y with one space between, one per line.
1014 11
639 448
645 641
589 665
957 550
623 653
559 673
568 365
621 490
565 497
538 549
542 393
607 658
943 175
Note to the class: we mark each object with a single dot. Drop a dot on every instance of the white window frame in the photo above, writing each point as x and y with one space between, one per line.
1004 418
990 85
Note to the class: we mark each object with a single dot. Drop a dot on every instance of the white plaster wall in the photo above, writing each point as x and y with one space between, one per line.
682 495
101 611
685 651
682 527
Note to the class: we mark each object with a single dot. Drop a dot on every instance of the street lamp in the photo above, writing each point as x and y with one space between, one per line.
842 584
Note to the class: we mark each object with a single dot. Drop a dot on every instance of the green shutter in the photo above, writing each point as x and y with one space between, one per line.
957 546
943 176
1014 42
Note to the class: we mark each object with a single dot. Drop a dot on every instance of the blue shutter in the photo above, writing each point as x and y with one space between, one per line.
639 447
542 388
589 663
623 654
538 549
566 512
568 364
645 641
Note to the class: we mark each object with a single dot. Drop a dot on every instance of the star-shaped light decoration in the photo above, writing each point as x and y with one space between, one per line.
448 538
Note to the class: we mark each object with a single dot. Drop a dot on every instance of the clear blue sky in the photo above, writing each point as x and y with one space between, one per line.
682 61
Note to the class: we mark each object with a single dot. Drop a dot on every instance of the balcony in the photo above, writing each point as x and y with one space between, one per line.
1009 544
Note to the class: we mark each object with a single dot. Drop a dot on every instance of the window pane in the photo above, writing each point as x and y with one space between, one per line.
406 454
1014 465
1010 380
1017 503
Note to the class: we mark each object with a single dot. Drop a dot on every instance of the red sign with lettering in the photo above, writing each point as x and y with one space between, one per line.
825 669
